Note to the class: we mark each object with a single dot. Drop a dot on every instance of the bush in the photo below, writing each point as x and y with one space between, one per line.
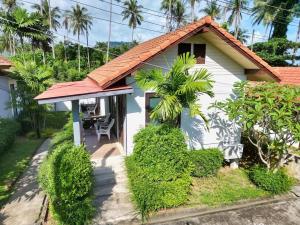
8 131
159 169
207 162
273 182
67 177
56 120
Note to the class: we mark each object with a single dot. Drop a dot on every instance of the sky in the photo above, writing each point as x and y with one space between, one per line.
153 25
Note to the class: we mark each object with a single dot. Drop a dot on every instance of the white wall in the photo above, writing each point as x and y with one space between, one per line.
225 73
5 97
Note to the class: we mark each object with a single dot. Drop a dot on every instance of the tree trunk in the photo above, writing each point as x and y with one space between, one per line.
192 11
87 49
132 34
296 48
78 40
65 50
109 32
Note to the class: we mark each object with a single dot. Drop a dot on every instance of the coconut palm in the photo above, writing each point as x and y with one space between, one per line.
168 7
65 23
44 9
263 13
178 89
132 11
179 14
78 17
236 7
88 27
242 35
192 3
212 9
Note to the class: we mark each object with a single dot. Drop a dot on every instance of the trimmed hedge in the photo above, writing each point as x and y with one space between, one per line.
159 169
8 131
273 182
66 175
207 162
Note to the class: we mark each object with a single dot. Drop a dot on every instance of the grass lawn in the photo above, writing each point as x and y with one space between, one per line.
13 162
228 187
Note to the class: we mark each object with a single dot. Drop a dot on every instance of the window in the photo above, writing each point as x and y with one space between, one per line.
184 48
151 101
199 52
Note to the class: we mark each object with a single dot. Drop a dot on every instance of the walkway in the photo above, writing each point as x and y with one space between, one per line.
112 200
24 206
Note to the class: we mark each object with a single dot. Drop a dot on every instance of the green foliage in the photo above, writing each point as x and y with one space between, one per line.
273 182
228 187
159 169
207 162
277 51
268 115
65 135
177 88
8 131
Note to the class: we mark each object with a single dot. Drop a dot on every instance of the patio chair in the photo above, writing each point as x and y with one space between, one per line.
104 120
92 110
104 129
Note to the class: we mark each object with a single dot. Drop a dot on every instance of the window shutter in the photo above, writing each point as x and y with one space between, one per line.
184 48
199 52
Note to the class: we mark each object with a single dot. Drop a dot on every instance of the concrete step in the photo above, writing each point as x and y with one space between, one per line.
109 189
110 181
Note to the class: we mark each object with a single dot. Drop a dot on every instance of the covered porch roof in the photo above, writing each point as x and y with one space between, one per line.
87 88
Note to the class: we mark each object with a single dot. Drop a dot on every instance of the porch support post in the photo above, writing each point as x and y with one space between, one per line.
76 123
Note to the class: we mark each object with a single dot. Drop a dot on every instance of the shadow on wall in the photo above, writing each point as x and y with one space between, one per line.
194 129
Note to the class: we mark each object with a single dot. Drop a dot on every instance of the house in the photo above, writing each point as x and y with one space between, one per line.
7 84
219 52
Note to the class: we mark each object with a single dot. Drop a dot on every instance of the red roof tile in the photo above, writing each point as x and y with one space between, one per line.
67 89
5 62
131 60
288 75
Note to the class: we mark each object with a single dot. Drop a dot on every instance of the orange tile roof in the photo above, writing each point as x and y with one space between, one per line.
67 89
126 63
5 62
288 75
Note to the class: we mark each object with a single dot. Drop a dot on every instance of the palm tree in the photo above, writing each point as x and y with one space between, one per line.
88 26
9 4
65 24
168 7
132 11
79 18
178 89
212 9
179 14
44 9
262 13
51 16
192 3
242 35
236 7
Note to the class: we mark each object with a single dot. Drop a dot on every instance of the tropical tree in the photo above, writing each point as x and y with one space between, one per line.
212 9
242 35
236 7
32 79
132 11
9 5
79 18
44 9
262 13
88 27
168 6
179 14
268 114
177 89
192 3
66 25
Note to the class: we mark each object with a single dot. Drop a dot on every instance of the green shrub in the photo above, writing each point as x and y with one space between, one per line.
56 120
159 169
8 131
273 182
65 135
67 177
206 162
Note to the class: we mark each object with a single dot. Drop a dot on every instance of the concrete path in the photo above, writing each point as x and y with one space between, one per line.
112 200
24 206
285 212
